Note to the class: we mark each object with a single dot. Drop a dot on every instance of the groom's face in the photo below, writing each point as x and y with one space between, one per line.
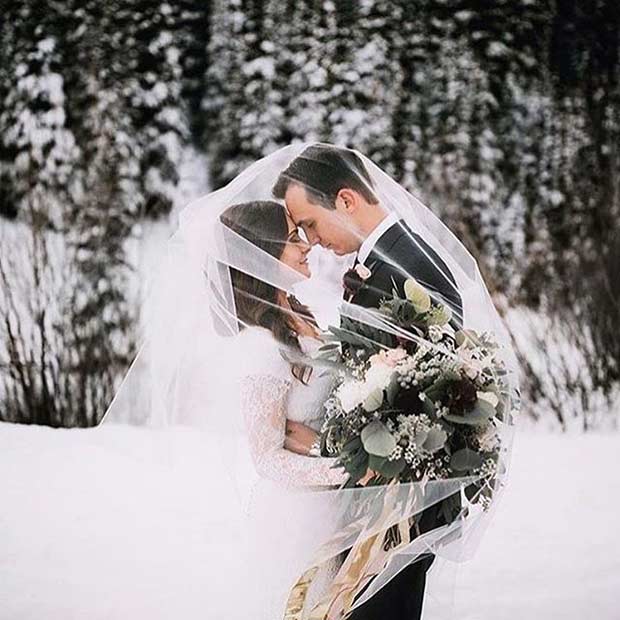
330 228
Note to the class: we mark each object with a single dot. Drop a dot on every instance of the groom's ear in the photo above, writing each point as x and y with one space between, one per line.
347 201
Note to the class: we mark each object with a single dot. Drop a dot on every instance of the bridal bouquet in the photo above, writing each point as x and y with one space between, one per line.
422 406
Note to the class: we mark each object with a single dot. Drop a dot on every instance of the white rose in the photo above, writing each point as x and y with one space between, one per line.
351 395
378 377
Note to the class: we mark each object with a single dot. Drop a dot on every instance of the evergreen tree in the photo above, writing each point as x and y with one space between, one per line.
151 87
412 91
102 322
361 72
300 81
37 149
224 89
192 27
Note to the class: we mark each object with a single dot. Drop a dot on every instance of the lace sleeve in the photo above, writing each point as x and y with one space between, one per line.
263 398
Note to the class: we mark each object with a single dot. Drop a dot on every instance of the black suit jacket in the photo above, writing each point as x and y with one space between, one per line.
399 254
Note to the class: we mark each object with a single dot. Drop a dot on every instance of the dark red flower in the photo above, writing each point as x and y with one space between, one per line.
462 396
352 282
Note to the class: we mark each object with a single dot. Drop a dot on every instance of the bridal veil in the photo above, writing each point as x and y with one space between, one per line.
265 539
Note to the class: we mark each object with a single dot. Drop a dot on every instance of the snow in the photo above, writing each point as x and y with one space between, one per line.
561 366
89 531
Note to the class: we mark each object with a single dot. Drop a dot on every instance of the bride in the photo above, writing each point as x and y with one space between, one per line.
231 353
282 403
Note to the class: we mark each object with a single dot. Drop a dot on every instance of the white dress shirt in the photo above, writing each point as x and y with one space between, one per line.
369 243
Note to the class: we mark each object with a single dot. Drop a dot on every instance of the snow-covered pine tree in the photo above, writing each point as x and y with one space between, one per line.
438 118
38 151
509 43
224 88
361 73
151 90
586 71
300 82
100 330
192 27
411 86
261 114
243 107
134 52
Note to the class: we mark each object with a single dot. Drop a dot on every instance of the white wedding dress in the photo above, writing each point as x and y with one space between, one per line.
270 395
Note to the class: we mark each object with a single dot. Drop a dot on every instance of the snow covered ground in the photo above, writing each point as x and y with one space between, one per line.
84 533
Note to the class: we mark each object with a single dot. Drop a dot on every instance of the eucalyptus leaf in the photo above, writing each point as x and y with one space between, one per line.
385 467
465 459
429 407
375 462
451 375
436 389
419 438
352 445
483 408
435 439
377 439
373 401
480 415
417 295
391 469
501 410
469 420
357 465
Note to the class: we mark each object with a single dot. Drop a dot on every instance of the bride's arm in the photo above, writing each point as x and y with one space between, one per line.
263 398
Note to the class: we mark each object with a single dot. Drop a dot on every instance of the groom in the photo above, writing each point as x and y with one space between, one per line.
330 195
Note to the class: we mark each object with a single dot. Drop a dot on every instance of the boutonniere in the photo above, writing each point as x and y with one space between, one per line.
354 279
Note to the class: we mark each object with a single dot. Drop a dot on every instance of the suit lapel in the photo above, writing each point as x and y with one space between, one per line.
381 253
378 255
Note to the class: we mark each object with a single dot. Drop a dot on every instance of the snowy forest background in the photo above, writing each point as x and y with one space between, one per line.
503 116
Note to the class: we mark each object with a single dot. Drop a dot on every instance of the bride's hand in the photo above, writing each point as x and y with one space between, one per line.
299 437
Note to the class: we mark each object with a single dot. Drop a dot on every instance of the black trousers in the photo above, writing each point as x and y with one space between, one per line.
402 597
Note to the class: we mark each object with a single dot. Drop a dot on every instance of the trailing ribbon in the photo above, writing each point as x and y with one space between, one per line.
365 560
299 592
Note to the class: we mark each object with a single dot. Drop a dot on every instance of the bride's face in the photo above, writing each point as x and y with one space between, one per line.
295 253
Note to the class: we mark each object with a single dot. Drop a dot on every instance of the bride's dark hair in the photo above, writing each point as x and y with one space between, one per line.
264 224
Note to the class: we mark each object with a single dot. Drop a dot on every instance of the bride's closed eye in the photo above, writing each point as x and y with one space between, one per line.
294 237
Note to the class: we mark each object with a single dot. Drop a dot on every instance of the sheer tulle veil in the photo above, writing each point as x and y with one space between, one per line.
262 537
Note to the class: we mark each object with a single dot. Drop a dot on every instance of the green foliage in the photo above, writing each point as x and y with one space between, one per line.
465 460
377 440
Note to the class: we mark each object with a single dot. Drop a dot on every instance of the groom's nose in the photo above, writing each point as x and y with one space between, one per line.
313 238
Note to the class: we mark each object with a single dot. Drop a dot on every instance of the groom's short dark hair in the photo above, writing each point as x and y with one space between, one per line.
323 170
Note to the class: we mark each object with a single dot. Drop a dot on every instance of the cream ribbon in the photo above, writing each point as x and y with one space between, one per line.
366 559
